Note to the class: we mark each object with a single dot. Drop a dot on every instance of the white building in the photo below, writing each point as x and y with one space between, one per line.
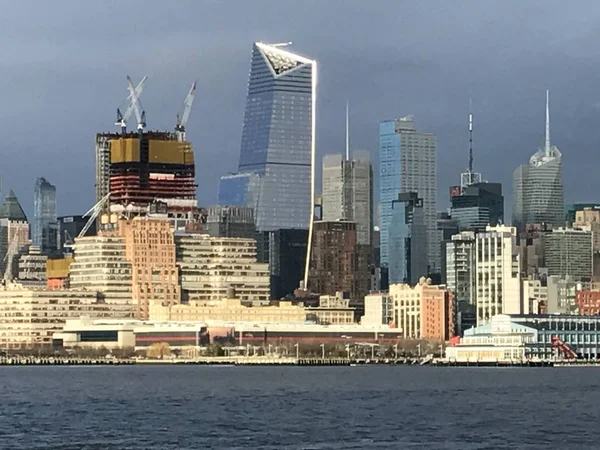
498 283
534 296
378 309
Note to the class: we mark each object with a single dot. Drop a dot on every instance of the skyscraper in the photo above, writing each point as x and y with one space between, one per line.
45 224
569 253
278 139
348 192
538 187
14 235
407 159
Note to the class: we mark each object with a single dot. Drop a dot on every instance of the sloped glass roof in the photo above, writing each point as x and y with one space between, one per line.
281 61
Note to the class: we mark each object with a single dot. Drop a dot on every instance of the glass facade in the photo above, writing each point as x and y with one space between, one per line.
277 140
45 224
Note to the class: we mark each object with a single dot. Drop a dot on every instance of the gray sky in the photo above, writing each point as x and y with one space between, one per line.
63 67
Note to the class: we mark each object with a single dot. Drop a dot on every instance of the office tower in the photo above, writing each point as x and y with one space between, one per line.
285 251
14 235
150 249
209 266
407 159
460 266
407 234
231 221
569 252
239 189
278 139
588 219
69 228
100 265
538 187
423 311
562 294
477 206
348 192
338 264
498 283
45 226
531 250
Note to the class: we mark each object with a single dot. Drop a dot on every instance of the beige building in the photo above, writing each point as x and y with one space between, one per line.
100 265
150 249
332 310
29 317
230 310
424 311
210 265
378 309
32 267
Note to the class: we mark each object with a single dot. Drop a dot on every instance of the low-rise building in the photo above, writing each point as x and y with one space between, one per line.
588 302
332 310
29 317
378 309
535 297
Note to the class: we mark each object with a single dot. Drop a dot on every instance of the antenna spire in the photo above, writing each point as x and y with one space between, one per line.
547 146
347 132
470 137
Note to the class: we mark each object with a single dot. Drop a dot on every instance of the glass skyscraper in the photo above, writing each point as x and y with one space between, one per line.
45 223
407 161
538 187
277 140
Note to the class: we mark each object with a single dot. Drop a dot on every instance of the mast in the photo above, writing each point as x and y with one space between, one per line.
547 146
347 133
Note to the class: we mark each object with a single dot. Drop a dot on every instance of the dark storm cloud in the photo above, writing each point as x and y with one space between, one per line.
63 65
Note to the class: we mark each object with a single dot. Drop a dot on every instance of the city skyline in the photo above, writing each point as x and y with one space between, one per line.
438 101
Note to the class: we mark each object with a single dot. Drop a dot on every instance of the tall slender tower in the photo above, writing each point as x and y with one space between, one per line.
538 186
470 177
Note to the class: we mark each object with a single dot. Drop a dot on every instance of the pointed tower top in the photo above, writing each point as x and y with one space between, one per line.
11 208
347 133
547 146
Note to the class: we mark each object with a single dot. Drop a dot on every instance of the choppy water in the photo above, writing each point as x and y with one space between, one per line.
186 407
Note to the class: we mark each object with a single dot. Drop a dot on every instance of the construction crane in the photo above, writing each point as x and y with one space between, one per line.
187 108
140 114
8 258
93 212
123 118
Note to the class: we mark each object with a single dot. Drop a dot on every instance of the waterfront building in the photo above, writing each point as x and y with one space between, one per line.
150 249
407 233
228 309
231 221
562 294
538 186
29 317
378 309
208 266
424 311
407 163
44 233
32 267
569 252
278 140
14 235
332 310
337 263
69 228
498 282
348 192
100 265
477 206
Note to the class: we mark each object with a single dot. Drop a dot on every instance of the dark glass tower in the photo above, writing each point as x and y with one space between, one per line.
45 224
277 139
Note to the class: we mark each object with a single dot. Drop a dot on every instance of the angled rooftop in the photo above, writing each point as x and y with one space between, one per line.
279 60
11 208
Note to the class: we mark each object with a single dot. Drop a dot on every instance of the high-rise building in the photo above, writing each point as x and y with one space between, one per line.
278 140
285 252
538 186
231 221
140 168
348 192
569 252
407 159
14 235
477 206
407 233
338 264
209 266
44 233
460 267
562 294
588 219
150 249
424 311
531 250
498 282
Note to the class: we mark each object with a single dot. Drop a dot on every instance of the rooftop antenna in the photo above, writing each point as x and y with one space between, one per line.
347 133
547 146
470 176
470 136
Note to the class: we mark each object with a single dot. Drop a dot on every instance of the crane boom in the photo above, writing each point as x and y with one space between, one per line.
123 118
135 103
187 109
93 212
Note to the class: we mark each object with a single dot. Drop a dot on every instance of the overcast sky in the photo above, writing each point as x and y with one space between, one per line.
63 67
